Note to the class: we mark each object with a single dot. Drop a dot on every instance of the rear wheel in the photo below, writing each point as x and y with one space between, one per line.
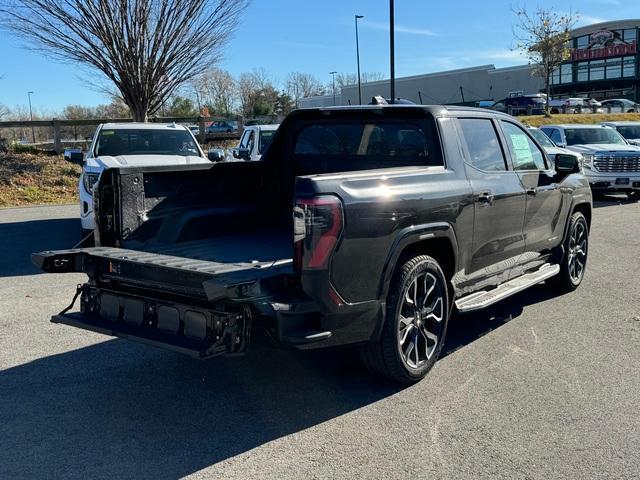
576 247
415 325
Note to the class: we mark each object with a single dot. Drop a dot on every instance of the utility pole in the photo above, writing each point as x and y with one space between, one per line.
358 60
392 69
333 86
33 132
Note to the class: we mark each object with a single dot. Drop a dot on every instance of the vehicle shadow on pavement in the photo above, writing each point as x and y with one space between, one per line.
20 239
119 410
466 328
610 200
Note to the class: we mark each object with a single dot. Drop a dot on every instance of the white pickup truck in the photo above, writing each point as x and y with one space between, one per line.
117 145
610 163
254 141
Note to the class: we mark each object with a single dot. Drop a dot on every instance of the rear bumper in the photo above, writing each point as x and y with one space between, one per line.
199 330
206 309
195 330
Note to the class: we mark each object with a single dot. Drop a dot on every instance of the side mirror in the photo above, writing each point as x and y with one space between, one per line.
567 164
76 157
215 155
244 154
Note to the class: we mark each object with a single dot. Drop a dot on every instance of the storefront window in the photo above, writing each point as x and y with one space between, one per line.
614 67
596 70
555 76
582 42
583 71
629 67
629 35
566 75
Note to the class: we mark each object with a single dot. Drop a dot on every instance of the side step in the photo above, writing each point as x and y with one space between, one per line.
479 300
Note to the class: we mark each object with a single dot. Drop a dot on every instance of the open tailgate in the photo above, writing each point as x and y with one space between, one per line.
199 279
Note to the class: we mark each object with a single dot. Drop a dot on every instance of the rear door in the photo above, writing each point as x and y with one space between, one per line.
544 198
499 201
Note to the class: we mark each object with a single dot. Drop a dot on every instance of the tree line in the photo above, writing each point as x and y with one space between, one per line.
215 93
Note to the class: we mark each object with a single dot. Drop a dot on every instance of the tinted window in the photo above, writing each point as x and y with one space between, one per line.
554 134
483 145
365 145
524 153
265 140
244 139
144 141
629 131
586 136
251 140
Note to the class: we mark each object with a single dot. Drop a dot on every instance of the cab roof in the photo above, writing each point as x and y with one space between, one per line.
143 126
575 125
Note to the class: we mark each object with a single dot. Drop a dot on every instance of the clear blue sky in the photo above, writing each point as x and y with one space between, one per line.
317 37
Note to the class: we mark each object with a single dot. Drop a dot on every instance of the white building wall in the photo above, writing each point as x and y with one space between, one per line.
478 83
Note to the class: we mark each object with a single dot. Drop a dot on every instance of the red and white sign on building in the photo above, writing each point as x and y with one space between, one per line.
602 45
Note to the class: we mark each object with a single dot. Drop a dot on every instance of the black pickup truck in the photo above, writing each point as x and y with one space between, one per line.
366 226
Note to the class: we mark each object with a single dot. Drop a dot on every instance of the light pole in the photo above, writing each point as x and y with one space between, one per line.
392 62
33 132
358 60
333 86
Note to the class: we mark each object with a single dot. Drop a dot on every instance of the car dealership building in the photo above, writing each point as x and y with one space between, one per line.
603 63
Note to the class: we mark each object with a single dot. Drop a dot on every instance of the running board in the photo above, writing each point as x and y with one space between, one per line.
479 300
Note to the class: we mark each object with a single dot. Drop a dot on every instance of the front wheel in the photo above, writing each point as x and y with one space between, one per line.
576 248
415 325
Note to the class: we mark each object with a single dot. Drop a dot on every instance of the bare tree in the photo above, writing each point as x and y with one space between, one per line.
344 79
4 111
300 85
217 90
543 36
257 93
147 48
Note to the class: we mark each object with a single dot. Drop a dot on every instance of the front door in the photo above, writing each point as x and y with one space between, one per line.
499 204
543 225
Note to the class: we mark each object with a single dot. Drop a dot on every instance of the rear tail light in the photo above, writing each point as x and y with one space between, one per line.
317 225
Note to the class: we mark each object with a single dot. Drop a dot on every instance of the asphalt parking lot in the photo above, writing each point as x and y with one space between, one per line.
539 387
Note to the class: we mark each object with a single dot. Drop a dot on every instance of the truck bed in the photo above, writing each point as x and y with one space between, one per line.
257 247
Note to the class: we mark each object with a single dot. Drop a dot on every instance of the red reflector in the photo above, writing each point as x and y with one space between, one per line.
335 297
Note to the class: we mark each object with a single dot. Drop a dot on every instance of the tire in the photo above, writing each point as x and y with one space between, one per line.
417 281
634 196
570 277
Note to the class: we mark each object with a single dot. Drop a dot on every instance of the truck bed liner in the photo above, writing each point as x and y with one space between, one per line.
257 247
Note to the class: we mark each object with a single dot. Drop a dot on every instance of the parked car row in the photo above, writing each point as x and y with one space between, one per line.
534 104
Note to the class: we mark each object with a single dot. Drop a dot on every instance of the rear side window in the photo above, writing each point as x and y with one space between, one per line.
482 143
554 134
361 145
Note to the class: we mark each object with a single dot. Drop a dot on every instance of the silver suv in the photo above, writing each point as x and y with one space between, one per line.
610 163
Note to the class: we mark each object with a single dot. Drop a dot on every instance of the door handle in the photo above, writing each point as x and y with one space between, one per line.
532 191
486 198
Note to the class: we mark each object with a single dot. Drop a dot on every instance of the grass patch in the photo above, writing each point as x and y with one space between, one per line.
582 118
33 179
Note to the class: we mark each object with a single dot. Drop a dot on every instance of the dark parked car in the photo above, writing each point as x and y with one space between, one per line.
521 105
364 225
